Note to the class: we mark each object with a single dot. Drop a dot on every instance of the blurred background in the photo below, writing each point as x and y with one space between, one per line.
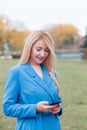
66 20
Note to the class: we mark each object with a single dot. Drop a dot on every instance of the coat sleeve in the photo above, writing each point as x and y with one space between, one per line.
10 104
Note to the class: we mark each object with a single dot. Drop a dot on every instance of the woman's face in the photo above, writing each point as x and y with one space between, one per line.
39 52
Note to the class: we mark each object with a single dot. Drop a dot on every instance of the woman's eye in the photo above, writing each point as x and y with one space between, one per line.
38 49
47 50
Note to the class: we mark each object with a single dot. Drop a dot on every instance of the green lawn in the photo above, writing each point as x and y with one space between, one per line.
72 77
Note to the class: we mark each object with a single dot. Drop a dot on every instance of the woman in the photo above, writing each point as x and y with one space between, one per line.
31 87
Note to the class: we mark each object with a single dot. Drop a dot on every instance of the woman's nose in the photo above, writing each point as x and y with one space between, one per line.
42 53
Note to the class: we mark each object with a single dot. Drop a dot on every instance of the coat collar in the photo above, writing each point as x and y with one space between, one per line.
45 82
31 72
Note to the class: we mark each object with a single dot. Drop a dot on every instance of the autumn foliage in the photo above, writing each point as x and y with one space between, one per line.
63 34
12 34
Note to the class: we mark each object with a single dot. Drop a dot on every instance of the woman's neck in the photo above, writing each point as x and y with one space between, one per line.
38 69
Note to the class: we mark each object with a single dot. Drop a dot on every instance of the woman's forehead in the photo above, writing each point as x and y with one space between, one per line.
40 42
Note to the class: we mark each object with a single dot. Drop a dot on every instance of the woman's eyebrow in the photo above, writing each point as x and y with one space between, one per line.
42 47
39 47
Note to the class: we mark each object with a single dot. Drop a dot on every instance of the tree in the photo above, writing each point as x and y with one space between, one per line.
84 46
64 34
18 39
15 33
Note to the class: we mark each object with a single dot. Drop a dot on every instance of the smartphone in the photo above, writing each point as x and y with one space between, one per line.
55 103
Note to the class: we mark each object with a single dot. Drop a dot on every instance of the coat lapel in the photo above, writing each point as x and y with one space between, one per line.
44 83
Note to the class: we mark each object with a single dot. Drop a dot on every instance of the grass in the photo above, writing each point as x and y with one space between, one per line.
73 82
72 76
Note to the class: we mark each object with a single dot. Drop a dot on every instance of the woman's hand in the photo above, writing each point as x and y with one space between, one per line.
43 106
56 109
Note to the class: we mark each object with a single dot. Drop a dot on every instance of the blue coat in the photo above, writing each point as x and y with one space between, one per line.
24 89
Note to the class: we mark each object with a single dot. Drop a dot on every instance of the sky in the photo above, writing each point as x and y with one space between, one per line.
36 14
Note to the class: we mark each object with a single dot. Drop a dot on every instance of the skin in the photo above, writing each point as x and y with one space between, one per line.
39 53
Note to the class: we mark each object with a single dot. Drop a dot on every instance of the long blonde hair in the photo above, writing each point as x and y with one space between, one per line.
46 37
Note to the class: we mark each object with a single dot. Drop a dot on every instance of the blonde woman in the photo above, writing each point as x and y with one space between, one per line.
31 93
